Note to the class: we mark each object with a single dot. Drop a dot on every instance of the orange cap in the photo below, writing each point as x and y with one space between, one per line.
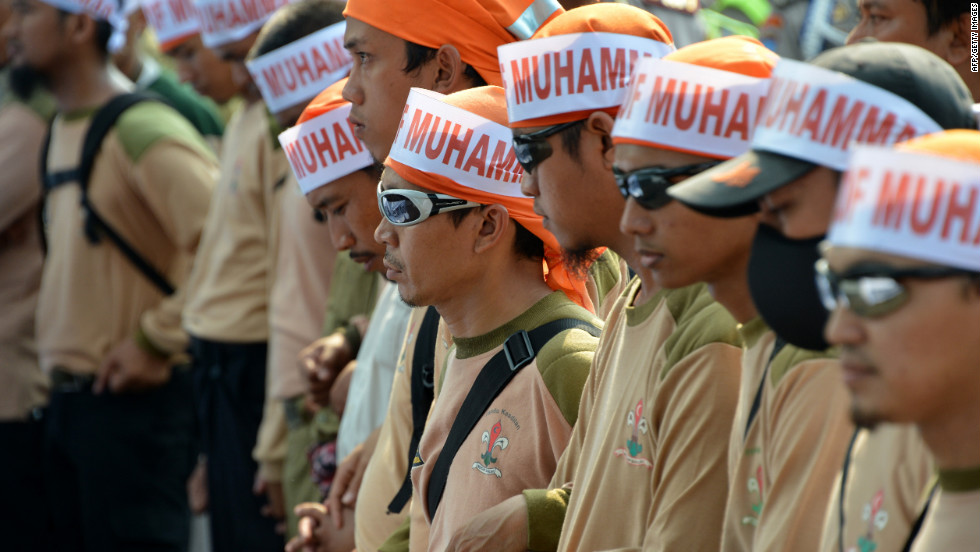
960 144
735 54
460 145
474 27
582 63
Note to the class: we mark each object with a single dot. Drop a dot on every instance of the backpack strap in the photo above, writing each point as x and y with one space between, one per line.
519 350
423 386
95 225
757 400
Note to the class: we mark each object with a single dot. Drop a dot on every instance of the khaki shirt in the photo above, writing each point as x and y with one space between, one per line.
152 182
22 127
228 290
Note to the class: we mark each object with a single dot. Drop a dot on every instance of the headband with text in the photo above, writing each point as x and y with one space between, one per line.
910 204
323 149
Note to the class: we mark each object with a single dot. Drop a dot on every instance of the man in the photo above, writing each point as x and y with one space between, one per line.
118 444
343 189
780 454
666 371
177 30
227 302
148 74
390 58
307 30
794 182
23 114
519 424
572 184
940 26
924 311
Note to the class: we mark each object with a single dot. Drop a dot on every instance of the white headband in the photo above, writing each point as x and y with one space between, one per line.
103 10
171 20
445 140
573 72
814 114
910 204
690 108
224 21
324 149
302 69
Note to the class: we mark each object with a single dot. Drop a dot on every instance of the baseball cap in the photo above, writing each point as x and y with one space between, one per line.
912 90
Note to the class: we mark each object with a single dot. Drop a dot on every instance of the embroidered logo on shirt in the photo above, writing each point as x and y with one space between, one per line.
876 518
754 486
638 426
491 440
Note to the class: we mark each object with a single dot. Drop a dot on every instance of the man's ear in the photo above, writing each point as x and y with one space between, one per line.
601 125
79 28
493 223
957 49
449 69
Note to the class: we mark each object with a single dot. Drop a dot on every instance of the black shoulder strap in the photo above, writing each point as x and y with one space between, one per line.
845 472
423 386
757 400
519 350
95 226
917 524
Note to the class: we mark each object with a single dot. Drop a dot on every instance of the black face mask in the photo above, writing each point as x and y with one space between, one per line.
784 289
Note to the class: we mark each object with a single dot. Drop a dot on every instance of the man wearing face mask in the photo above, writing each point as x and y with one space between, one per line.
807 125
905 300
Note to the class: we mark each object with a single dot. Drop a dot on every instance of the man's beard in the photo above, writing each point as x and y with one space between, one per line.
863 419
24 80
578 261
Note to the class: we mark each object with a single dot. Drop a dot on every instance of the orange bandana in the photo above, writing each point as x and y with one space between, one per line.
474 27
459 145
579 63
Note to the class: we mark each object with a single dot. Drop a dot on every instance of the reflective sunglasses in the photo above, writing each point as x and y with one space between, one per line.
408 207
873 291
531 149
649 186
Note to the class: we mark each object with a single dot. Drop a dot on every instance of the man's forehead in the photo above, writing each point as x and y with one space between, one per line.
842 258
359 34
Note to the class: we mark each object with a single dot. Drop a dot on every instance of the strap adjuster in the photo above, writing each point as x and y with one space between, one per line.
518 350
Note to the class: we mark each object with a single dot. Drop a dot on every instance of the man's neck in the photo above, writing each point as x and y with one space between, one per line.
83 84
954 440
491 302
732 292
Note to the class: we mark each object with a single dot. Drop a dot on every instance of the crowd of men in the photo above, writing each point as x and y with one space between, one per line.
490 275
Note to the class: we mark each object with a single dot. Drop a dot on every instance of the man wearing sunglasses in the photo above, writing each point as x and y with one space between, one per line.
460 236
779 454
794 181
561 129
904 296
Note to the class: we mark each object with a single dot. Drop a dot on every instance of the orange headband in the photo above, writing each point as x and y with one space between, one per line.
474 27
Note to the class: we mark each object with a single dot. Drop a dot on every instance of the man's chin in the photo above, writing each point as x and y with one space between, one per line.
578 261
865 418
24 80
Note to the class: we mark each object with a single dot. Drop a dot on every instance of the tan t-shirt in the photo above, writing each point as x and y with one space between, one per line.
151 181
645 468
517 442
228 290
953 519
889 475
386 469
783 460
22 384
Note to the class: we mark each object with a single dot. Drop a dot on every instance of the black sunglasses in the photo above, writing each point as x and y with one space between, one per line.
649 186
531 149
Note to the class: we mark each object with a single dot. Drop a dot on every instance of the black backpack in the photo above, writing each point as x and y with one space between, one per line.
96 227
